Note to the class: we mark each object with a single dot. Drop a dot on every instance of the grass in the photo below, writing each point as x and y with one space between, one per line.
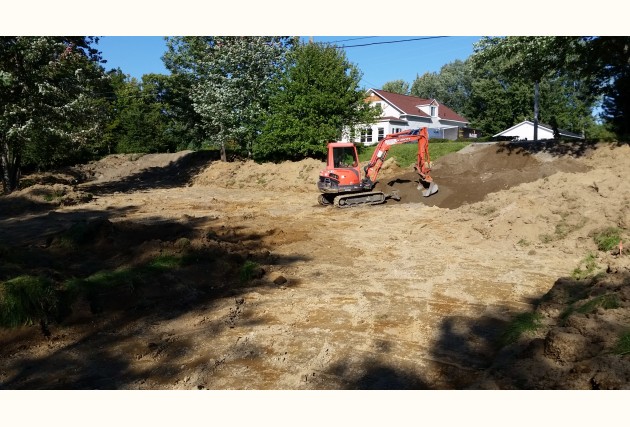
54 196
522 323
606 302
623 344
608 238
590 265
407 154
26 300
248 271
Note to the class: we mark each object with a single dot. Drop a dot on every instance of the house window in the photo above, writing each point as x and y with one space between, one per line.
381 133
396 130
366 135
433 111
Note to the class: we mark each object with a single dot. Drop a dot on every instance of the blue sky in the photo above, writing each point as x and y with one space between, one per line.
380 63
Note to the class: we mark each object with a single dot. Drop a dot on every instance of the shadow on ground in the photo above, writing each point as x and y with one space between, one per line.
131 276
578 148
177 173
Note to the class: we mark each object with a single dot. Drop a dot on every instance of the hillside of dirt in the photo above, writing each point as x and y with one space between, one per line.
184 272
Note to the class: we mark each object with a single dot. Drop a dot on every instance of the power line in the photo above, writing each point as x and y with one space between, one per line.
347 40
393 41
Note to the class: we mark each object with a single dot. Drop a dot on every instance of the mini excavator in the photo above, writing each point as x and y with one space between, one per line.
341 185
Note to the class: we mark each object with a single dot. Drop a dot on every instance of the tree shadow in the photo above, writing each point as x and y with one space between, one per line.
573 148
131 276
177 173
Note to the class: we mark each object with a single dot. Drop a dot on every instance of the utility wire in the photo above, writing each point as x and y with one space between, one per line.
347 40
393 41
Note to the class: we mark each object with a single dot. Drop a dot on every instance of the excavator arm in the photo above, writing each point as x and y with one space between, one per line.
423 165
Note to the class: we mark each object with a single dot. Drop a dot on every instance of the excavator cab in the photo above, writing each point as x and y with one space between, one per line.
342 173
344 157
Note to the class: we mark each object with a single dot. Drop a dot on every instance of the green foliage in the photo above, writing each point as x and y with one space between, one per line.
138 117
317 96
248 271
51 104
608 238
591 68
452 86
397 86
606 302
623 344
232 81
26 300
522 323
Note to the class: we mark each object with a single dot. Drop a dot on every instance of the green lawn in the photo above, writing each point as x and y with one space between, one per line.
406 154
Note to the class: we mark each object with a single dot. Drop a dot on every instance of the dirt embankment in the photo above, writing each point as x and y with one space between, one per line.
231 276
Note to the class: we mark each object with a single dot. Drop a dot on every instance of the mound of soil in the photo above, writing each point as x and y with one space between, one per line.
469 175
580 344
230 276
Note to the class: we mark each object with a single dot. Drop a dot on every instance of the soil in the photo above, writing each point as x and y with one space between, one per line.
273 291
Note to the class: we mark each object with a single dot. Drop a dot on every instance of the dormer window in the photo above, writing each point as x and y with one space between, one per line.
433 111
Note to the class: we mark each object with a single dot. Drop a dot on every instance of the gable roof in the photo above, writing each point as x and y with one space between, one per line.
540 126
407 104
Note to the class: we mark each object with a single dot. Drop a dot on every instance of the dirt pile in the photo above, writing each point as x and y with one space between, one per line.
299 176
581 342
230 276
469 175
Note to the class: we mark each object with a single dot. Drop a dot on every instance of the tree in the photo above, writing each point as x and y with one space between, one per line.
451 86
318 95
138 115
427 86
232 79
50 107
497 102
608 59
529 59
397 86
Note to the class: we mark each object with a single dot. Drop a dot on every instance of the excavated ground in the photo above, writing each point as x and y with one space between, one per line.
272 291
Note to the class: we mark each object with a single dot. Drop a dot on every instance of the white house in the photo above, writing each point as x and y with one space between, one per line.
524 131
401 112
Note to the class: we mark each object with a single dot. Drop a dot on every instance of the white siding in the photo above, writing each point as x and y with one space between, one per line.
526 131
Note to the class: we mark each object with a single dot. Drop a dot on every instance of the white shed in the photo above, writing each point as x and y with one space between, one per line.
525 131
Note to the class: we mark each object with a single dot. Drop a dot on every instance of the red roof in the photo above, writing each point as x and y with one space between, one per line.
409 105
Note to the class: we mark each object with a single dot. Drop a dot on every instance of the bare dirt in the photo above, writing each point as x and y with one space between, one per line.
274 291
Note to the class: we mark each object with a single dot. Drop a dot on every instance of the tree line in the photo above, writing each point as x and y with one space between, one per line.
274 98
555 80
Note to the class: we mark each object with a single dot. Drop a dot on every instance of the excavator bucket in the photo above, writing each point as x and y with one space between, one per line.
426 192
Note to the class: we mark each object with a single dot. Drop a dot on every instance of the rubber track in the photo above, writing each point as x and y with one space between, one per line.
358 199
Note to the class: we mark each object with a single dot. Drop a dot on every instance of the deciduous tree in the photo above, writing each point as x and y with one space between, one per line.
50 104
232 80
397 86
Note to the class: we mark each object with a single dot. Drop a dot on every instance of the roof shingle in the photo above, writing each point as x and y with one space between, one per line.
409 105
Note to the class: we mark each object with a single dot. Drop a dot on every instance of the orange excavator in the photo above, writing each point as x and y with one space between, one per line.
341 184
